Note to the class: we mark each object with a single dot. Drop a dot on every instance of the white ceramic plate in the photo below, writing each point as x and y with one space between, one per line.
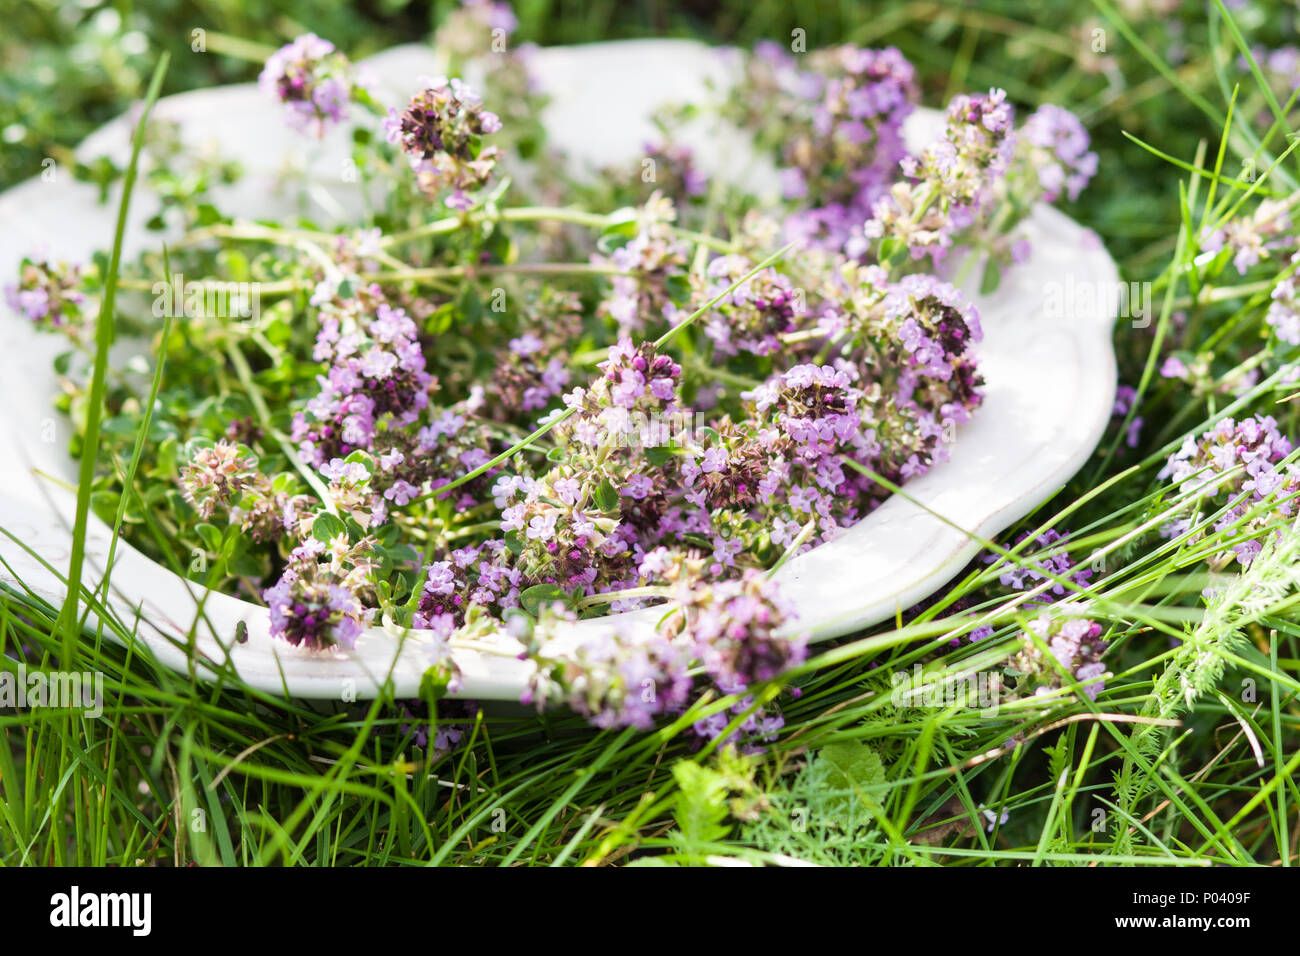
1050 380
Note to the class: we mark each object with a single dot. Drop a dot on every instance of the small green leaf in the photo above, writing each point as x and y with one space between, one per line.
854 767
246 565
534 597
658 455
621 222
402 552
326 528
210 536
606 496
992 278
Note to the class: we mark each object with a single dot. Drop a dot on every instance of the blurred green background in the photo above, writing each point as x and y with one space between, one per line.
68 65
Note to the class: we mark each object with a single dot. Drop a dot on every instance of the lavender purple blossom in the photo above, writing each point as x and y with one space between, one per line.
755 313
377 376
315 604
1050 562
1283 314
1254 238
1237 466
1056 145
48 293
640 295
671 170
1075 644
733 627
612 679
847 159
1125 400
313 81
952 178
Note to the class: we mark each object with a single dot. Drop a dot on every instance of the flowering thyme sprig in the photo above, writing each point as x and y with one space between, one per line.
1075 645
316 602
1051 561
1054 145
1254 238
1283 315
49 294
652 260
1239 467
224 480
612 679
750 318
441 132
313 80
735 627
837 125
376 378
949 182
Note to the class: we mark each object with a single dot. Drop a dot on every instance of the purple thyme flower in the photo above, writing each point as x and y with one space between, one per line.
1077 646
754 314
310 610
1050 561
733 625
1284 311
48 293
1236 466
1125 397
441 131
377 375
841 136
1253 238
1058 146
312 80
639 296
952 178
611 679
224 478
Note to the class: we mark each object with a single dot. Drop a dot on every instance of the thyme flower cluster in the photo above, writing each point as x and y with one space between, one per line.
1236 468
1074 644
313 80
48 294
441 132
